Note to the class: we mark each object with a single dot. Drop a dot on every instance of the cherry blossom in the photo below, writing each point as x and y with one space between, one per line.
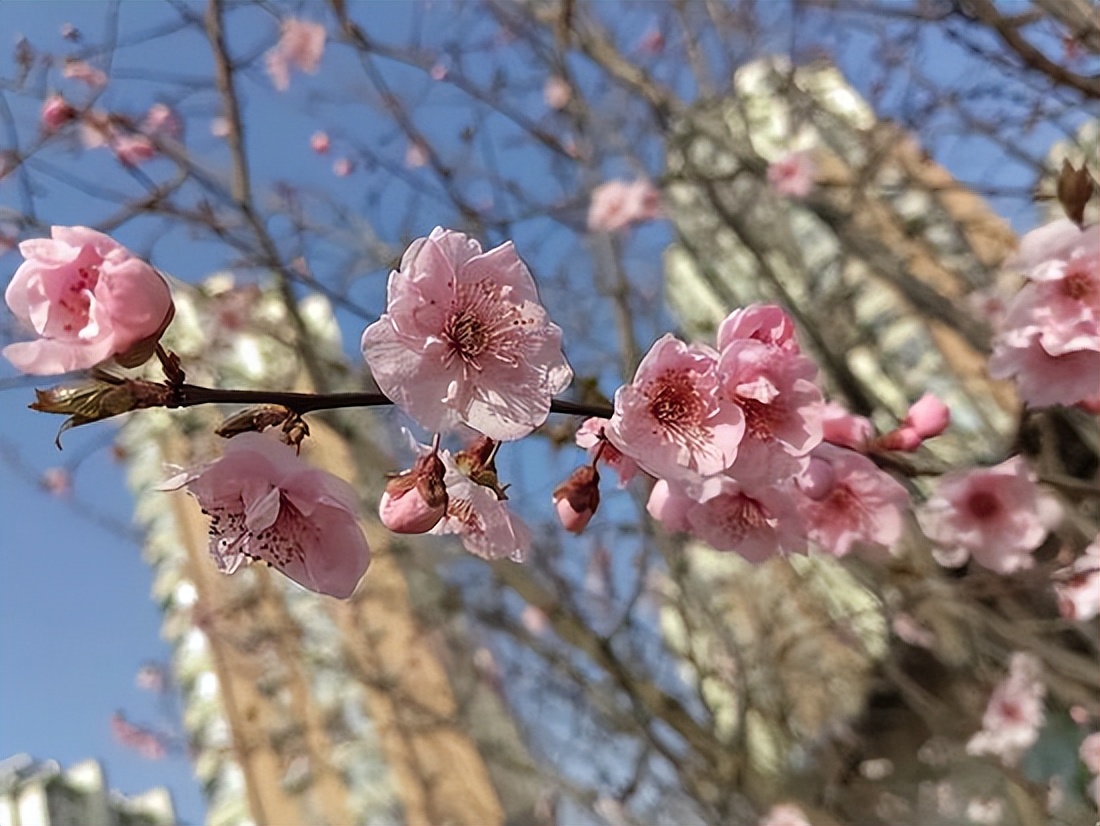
480 517
57 481
266 504
785 814
854 506
301 44
415 501
671 419
56 112
1014 715
618 204
89 299
997 515
590 437
1049 339
757 524
556 92
766 323
319 142
145 742
132 150
162 121
793 175
1078 586
342 167
464 339
85 73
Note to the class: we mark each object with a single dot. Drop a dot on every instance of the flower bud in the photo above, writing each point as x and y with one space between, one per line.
928 416
89 401
56 112
577 498
415 501
905 439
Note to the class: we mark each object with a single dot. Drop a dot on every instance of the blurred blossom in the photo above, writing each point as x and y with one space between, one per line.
785 814
57 481
556 92
70 32
793 175
85 73
438 71
302 45
912 632
1014 716
132 150
534 619
56 112
162 121
652 42
997 515
151 677
985 810
616 205
145 742
1089 752
1078 586
342 167
219 126
320 142
416 154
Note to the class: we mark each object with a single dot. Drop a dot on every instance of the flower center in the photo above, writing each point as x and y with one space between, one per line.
674 403
76 301
983 505
1079 285
467 335
760 419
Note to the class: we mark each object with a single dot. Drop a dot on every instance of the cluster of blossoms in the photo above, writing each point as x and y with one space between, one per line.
742 449
1049 340
735 439
1014 715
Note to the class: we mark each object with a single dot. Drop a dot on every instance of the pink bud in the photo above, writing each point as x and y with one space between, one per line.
839 427
415 501
56 112
320 142
577 498
905 438
818 479
132 150
342 167
928 416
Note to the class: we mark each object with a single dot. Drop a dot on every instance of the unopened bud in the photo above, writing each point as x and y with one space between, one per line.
928 416
478 462
415 501
100 398
577 498
1074 189
905 439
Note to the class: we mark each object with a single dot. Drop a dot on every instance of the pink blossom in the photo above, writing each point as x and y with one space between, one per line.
85 73
997 515
320 142
416 154
56 112
865 510
132 150
1049 339
671 419
616 205
342 167
151 677
147 743
556 92
785 814
162 121
1078 586
534 619
652 42
88 299
438 71
301 44
1014 715
480 517
57 481
766 323
589 436
839 427
266 504
781 406
793 175
756 524
219 126
1089 752
465 340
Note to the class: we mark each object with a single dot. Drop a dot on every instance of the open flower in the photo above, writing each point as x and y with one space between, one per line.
266 504
301 44
89 299
997 515
1014 715
465 340
618 204
480 517
672 420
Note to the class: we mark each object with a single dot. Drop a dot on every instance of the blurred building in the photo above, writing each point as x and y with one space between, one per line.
887 264
299 708
41 793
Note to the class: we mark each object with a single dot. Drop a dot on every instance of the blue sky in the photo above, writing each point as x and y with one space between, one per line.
76 620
